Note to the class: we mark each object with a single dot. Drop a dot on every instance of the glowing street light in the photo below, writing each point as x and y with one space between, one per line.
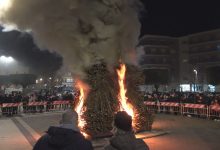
6 60
195 71
196 78
41 79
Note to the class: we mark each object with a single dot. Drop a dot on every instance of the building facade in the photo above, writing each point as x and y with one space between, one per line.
186 58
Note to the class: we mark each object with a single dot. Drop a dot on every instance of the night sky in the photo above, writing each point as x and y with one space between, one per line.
22 47
161 17
180 17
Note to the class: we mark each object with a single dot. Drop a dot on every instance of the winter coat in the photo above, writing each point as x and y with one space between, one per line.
58 138
126 141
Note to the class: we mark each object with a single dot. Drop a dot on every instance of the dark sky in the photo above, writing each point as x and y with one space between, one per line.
22 47
162 17
180 17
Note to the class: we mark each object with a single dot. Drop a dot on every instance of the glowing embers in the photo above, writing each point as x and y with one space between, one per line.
79 108
123 100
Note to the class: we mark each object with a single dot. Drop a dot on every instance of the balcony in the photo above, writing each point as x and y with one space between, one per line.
147 60
204 60
201 53
162 51
155 66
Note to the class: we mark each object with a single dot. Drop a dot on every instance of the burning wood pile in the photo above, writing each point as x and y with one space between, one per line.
85 32
108 96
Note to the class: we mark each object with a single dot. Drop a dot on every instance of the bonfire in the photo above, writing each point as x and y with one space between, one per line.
97 110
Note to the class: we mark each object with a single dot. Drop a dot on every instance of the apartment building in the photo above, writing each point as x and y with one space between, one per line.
187 59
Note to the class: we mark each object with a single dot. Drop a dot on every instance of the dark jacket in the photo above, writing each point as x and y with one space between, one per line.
126 141
58 138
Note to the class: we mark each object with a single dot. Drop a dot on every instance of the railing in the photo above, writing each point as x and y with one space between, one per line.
33 107
201 110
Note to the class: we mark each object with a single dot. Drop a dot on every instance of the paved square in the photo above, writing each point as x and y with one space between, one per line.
20 133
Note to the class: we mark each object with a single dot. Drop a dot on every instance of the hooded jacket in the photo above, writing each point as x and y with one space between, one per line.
58 138
126 141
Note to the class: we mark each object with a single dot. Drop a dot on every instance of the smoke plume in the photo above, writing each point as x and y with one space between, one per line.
82 31
21 47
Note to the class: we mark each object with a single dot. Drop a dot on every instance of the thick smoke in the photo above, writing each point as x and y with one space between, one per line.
82 31
21 47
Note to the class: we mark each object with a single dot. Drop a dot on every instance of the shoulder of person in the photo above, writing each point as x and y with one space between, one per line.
109 147
88 145
41 142
141 145
83 143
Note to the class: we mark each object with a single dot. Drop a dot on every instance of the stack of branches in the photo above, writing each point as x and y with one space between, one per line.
101 102
134 78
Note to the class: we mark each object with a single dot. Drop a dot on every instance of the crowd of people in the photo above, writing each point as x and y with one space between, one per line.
67 135
183 97
18 97
207 99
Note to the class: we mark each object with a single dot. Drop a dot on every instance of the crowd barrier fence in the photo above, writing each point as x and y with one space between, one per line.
200 110
169 107
33 107
195 109
214 111
203 110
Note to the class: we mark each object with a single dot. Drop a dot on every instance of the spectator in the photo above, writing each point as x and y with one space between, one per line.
215 102
124 138
65 137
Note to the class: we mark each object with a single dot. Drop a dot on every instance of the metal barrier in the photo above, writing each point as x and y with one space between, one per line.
184 109
47 106
59 105
170 107
214 111
195 109
33 107
151 106
11 108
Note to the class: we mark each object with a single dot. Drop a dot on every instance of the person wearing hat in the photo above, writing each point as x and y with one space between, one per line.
124 138
65 137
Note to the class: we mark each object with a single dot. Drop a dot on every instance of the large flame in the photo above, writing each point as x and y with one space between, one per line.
83 88
124 104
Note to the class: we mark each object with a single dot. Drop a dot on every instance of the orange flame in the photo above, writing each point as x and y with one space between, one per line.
83 88
124 105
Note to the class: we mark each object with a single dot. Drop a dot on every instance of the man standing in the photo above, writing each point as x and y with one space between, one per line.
65 137
124 138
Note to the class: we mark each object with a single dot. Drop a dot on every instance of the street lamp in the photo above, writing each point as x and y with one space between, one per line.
6 64
196 77
6 60
195 71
